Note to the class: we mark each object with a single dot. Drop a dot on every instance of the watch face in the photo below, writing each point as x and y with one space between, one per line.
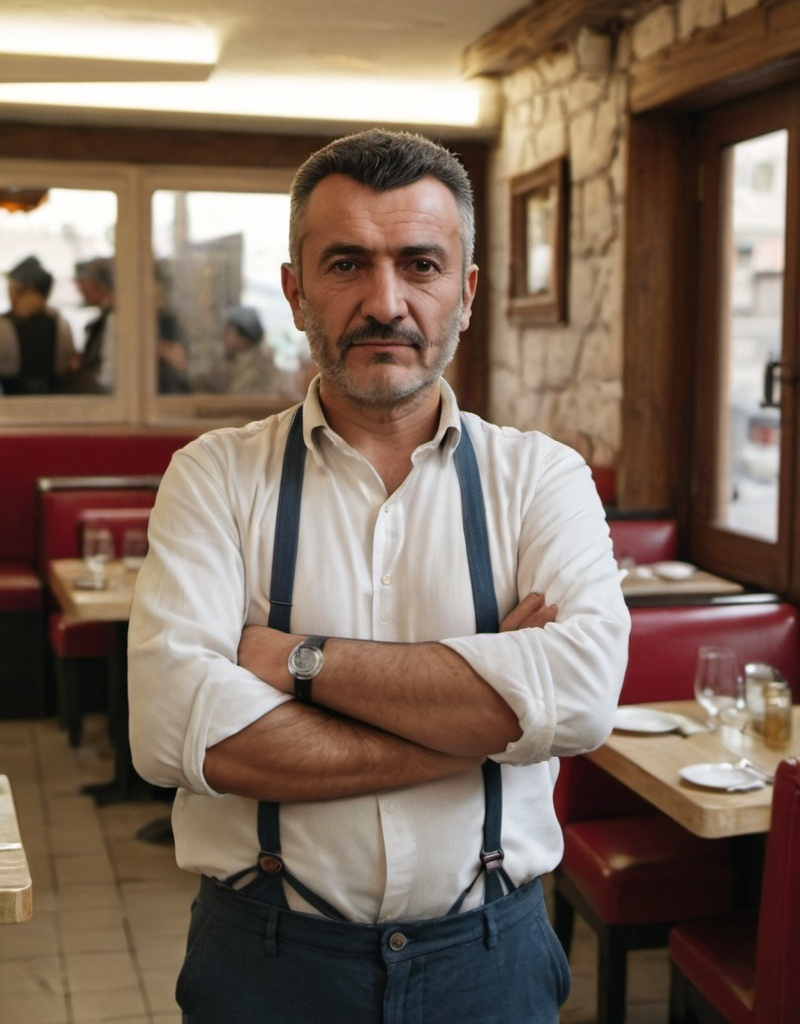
306 661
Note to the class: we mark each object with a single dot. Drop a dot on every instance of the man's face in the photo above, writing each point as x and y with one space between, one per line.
382 294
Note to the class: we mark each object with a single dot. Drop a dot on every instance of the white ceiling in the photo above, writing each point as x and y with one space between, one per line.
353 50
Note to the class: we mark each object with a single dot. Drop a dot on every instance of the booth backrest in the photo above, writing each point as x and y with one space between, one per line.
644 541
24 457
662 656
62 511
665 640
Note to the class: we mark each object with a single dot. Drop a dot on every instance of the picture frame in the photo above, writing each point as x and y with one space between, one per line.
537 278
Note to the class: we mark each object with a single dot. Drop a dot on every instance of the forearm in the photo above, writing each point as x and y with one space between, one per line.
299 752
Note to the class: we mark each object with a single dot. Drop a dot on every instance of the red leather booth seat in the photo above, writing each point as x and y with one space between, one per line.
605 480
644 541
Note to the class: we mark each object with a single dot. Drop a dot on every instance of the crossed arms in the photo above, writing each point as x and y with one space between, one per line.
385 715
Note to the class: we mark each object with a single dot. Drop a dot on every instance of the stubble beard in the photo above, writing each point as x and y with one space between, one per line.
331 360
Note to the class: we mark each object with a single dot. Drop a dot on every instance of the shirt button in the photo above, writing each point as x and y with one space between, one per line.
386 579
385 617
391 806
397 941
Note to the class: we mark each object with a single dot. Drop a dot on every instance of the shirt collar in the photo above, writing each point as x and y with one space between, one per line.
314 422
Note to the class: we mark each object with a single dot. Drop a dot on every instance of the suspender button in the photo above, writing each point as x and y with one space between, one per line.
270 864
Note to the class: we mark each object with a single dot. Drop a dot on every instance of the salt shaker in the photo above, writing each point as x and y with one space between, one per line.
777 715
756 676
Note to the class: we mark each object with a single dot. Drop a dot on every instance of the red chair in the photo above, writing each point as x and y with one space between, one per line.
744 968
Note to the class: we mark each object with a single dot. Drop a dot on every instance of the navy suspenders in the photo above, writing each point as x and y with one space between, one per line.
272 869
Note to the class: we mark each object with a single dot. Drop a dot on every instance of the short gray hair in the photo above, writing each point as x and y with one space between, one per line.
383 160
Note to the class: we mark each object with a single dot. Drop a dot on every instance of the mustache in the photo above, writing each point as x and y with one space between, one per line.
373 330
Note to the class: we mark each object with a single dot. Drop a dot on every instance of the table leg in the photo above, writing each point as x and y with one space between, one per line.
126 784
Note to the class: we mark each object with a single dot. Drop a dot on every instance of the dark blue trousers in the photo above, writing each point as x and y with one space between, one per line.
251 963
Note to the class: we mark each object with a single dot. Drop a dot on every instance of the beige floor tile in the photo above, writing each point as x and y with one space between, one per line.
32 975
93 868
100 972
87 895
159 990
36 937
105 1007
35 1008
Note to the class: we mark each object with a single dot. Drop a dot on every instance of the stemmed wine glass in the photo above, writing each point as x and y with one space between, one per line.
97 550
716 681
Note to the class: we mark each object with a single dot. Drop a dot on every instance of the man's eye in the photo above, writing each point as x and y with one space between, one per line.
344 266
423 266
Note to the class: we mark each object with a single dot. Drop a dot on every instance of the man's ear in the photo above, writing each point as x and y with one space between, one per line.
468 295
292 291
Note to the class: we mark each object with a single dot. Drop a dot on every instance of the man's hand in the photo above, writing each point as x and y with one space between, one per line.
530 612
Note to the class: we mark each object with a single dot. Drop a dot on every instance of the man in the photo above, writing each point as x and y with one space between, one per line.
247 366
365 857
93 371
36 345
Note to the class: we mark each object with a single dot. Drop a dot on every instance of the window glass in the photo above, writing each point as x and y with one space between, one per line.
751 331
223 324
56 329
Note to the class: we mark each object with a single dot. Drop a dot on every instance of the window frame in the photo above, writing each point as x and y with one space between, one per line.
753 560
135 401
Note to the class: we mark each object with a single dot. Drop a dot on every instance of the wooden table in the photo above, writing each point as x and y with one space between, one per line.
16 892
111 604
649 765
642 583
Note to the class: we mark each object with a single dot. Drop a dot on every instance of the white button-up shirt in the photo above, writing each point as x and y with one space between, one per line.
389 568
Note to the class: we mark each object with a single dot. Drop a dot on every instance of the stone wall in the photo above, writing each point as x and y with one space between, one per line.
567 379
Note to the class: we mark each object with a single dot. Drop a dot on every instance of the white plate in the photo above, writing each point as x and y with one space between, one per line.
644 720
674 570
720 776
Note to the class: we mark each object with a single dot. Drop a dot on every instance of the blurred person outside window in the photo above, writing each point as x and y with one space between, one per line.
247 366
36 346
93 369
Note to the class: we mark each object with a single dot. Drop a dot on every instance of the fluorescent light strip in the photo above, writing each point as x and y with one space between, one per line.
129 41
327 99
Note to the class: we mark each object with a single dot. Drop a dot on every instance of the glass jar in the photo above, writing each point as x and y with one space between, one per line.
756 676
777 715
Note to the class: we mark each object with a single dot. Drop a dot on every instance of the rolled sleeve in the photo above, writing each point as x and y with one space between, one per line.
186 691
562 680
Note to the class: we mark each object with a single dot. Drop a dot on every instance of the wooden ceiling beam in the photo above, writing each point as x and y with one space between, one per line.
541 27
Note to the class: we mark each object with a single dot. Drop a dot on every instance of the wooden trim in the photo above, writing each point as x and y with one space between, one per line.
754 49
542 27
658 315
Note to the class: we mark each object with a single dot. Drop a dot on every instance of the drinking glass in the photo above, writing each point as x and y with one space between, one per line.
97 550
134 548
716 681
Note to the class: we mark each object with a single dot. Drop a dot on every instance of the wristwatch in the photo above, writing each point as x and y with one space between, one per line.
304 663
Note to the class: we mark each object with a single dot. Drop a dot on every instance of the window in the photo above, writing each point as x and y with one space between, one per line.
745 494
196 325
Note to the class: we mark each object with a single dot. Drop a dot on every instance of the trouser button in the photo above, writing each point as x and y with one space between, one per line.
397 941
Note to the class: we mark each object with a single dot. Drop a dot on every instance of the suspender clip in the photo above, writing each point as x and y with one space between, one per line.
492 860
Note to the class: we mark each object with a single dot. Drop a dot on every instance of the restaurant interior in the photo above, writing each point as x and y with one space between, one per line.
636 170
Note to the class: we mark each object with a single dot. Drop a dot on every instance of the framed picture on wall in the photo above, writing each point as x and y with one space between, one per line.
539 245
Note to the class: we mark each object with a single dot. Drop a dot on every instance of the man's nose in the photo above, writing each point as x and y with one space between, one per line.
385 296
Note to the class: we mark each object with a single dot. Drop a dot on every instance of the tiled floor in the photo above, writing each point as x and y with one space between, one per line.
110 911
